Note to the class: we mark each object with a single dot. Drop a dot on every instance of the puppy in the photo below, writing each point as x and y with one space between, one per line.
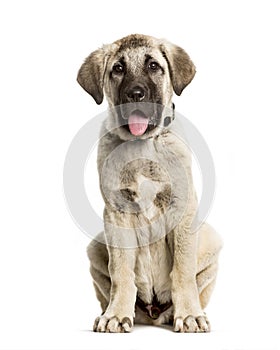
148 266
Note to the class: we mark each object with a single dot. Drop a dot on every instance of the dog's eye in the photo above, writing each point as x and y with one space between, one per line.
153 66
118 68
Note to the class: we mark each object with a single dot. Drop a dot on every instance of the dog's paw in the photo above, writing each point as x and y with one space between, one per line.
112 324
191 324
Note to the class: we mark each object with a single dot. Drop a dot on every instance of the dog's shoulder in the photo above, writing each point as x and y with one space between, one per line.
174 146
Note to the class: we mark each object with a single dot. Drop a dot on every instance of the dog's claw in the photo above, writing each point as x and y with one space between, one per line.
192 324
104 324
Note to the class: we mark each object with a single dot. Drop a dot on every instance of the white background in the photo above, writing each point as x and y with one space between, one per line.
47 300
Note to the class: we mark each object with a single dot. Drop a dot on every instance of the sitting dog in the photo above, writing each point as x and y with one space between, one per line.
148 266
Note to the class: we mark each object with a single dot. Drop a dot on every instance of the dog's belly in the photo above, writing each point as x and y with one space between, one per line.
152 272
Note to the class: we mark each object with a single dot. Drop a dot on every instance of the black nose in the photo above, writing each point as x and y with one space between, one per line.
136 93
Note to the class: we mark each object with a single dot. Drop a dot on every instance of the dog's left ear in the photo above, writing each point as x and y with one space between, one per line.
181 68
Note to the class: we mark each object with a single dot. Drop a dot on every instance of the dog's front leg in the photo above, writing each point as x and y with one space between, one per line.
188 315
119 314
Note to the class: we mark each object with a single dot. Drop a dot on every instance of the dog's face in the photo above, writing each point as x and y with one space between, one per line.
138 75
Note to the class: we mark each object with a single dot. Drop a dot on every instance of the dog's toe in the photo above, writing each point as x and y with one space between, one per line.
191 324
112 325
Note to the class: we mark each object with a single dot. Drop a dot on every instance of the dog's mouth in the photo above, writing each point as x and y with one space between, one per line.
138 123
140 119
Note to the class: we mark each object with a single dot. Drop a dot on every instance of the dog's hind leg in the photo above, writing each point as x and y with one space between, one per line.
206 282
98 256
208 252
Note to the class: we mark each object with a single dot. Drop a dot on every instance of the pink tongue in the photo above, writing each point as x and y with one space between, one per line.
137 124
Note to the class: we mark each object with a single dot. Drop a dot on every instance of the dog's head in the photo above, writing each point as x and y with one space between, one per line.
137 74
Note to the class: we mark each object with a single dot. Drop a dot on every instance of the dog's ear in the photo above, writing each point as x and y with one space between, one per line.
91 74
181 68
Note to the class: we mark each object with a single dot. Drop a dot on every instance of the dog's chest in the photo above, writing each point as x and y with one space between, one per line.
145 183
140 177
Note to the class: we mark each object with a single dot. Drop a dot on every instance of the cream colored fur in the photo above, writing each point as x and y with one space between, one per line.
169 261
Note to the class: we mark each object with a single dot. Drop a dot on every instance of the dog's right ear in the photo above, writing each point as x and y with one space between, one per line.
91 74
